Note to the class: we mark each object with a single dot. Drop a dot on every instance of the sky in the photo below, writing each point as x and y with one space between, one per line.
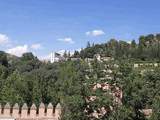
45 26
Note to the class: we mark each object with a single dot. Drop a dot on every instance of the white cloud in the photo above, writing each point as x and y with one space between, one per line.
3 39
45 57
18 50
129 42
95 33
67 40
36 46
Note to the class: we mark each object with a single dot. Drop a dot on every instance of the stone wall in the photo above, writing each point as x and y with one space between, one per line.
141 65
30 113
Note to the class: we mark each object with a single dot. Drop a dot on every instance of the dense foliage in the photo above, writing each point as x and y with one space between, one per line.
26 79
146 48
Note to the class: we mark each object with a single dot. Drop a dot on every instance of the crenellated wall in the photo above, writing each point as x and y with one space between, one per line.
30 113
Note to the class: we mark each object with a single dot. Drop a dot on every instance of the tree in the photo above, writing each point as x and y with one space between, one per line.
3 58
76 54
88 44
12 89
133 44
28 56
70 91
65 54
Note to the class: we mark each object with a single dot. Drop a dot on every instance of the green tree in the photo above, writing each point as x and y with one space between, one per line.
12 89
3 58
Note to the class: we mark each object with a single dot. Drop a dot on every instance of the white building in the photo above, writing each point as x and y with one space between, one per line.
56 57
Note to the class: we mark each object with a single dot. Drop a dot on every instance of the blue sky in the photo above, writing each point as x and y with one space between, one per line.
42 26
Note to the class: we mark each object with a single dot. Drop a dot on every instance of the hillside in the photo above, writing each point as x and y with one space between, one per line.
146 48
113 89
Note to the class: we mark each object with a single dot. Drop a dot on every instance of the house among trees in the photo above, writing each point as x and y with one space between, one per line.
56 57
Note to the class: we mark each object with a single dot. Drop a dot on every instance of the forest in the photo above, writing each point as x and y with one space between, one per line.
146 48
28 80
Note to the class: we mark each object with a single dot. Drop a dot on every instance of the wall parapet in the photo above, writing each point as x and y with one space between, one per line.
30 113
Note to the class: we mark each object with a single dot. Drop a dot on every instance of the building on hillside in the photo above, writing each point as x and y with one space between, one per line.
56 57
107 58
100 57
75 59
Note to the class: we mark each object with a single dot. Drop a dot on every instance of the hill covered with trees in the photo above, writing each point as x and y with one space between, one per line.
146 48
28 80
